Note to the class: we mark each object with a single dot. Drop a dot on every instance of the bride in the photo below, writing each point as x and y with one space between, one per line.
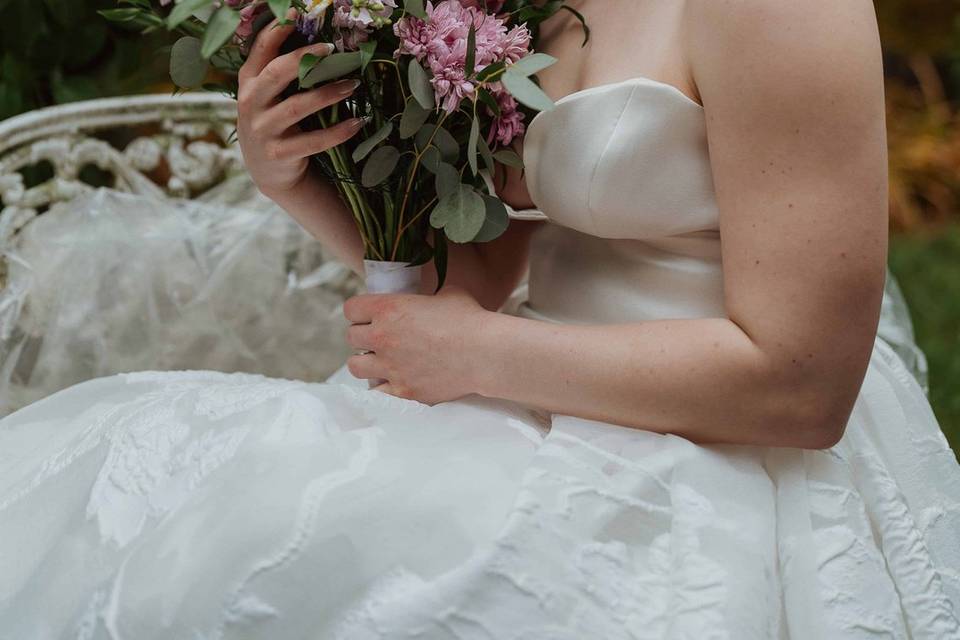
688 429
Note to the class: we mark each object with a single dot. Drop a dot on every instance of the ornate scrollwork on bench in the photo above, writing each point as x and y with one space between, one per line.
177 146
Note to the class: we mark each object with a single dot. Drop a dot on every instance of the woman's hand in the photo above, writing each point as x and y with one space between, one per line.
422 345
275 150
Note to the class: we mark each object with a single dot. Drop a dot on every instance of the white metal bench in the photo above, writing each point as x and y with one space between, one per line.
164 151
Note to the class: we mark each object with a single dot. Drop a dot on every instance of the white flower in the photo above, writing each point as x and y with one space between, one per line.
316 8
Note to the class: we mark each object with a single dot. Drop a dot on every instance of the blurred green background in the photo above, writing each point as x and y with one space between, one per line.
56 51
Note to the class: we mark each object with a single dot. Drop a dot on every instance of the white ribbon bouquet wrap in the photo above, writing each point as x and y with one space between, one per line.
391 278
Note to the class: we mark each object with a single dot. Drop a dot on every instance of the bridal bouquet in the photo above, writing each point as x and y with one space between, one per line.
445 89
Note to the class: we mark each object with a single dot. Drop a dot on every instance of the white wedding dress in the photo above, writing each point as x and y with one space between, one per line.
209 506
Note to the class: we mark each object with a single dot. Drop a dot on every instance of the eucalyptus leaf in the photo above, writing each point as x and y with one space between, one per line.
379 166
471 61
415 8
440 255
497 221
183 10
307 63
447 144
220 29
461 214
431 159
332 67
442 139
422 140
487 156
491 70
280 8
533 63
424 254
122 15
364 148
472 146
487 98
420 85
448 179
509 158
526 91
367 51
188 67
413 118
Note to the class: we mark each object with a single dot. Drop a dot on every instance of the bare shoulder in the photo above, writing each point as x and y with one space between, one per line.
818 46
814 22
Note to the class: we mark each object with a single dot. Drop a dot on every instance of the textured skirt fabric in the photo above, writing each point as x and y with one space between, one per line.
203 505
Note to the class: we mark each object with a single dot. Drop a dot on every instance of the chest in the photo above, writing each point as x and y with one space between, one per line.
626 160
628 38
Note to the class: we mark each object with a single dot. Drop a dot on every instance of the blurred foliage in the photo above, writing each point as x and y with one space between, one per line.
922 45
908 27
928 268
56 51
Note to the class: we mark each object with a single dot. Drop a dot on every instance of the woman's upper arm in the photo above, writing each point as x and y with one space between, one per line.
793 95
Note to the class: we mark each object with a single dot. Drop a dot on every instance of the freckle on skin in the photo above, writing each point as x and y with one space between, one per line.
758 262
843 254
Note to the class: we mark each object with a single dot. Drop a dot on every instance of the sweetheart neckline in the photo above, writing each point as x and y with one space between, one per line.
641 80
635 81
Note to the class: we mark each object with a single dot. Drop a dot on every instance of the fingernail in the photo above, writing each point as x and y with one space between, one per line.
346 87
359 123
329 47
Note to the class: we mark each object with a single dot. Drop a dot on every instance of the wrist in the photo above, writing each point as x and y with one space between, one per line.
486 346
282 195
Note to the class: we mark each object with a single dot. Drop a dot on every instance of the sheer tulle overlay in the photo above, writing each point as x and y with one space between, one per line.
110 281
207 505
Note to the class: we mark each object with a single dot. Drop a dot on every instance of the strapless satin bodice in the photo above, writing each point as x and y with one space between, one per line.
622 172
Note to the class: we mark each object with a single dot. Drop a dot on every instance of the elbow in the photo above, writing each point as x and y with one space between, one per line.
824 432
813 414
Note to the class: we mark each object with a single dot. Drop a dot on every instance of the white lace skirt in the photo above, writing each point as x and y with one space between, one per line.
203 505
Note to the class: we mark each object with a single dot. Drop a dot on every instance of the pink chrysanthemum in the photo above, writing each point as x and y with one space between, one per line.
441 43
508 126
248 15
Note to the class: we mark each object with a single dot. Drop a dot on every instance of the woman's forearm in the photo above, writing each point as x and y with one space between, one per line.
704 380
317 207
